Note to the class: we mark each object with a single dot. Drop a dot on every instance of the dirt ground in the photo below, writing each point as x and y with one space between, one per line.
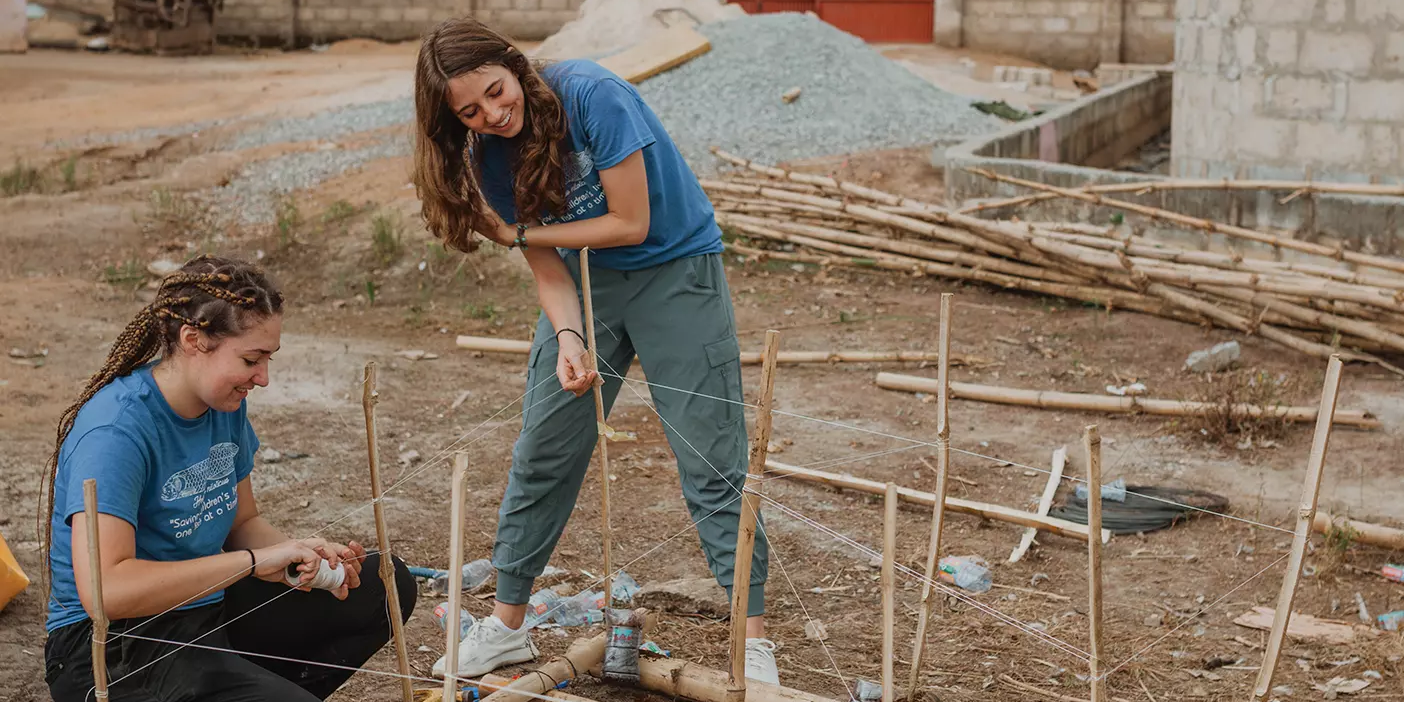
70 270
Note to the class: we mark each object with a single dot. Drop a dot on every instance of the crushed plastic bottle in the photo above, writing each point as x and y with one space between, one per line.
868 690
474 575
465 620
624 589
1114 491
542 607
969 573
581 609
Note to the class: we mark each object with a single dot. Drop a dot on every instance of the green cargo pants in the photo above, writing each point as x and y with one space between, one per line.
677 317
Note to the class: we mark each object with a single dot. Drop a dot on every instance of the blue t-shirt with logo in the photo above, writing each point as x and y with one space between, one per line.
608 122
173 479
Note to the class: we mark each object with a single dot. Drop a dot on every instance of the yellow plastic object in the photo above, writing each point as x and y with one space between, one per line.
13 581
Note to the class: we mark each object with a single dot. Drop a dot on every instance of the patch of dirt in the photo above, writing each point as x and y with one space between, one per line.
350 302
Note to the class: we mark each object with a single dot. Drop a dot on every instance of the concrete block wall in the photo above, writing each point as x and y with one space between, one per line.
12 26
1067 33
1290 90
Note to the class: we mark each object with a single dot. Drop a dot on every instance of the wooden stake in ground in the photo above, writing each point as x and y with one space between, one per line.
1092 442
1306 513
938 510
1060 458
99 613
600 420
889 592
369 397
746 527
455 591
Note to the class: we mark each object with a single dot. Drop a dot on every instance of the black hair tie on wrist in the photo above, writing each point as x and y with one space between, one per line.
568 329
253 563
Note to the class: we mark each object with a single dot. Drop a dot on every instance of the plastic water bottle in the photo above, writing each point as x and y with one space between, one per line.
623 589
581 609
474 574
465 620
1115 491
542 607
868 690
621 658
966 573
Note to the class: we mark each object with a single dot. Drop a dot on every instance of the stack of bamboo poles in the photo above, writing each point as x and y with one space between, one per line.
1317 309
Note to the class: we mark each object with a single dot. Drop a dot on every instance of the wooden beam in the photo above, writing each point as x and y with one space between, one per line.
99 612
369 397
663 51
1306 513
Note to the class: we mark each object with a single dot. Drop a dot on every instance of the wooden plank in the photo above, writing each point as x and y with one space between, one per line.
665 50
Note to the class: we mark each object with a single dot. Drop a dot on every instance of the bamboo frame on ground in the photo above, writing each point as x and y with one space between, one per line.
369 397
1311 489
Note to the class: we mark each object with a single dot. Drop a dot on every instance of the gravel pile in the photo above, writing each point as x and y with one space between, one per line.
852 98
325 125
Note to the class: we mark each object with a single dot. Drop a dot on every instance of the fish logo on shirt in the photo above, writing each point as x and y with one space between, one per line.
207 474
577 167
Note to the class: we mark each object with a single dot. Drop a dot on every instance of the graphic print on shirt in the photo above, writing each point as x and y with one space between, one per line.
584 192
197 481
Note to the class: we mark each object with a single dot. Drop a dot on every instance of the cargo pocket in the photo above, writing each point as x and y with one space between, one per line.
724 381
533 394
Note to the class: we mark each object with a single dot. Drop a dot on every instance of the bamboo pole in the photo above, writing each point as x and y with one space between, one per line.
1325 320
369 398
938 503
455 592
1092 443
1098 403
1311 488
1045 502
1147 187
1205 224
98 612
752 358
823 182
492 683
675 678
889 592
986 510
1361 532
583 654
746 524
603 440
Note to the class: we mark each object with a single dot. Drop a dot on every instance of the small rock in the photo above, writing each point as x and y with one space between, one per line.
409 458
815 630
417 355
270 455
791 95
304 504
1154 619
775 448
26 353
1214 359
686 596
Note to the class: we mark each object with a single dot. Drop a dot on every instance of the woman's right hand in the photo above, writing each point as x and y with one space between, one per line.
573 366
271 562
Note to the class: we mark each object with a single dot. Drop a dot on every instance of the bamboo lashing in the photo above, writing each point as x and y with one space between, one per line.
938 508
597 390
746 524
369 398
98 613
1099 403
1306 514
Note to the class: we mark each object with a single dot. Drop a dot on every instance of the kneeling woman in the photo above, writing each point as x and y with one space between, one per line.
186 557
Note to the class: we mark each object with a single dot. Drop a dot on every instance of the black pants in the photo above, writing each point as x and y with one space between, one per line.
309 626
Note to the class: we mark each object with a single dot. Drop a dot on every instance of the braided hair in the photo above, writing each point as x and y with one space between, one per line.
221 297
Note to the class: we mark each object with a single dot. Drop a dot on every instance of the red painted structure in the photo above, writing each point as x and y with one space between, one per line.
897 21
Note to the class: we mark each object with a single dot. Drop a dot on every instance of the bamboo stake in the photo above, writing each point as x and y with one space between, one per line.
1092 443
1205 224
889 592
1311 488
746 525
986 510
1098 403
938 509
99 612
369 397
605 535
455 592
1045 502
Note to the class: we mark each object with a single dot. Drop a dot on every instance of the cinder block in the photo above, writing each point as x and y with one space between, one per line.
1326 143
1394 52
1335 11
1041 8
267 12
1281 12
1210 45
1245 45
1151 9
1349 52
1087 24
1282 48
332 14
389 14
1020 25
555 5
1265 137
1384 146
498 4
1079 9
417 15
1299 97
360 14
1376 11
1056 24
1376 101
526 5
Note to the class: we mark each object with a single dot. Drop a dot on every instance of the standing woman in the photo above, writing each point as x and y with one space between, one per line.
550 160
186 556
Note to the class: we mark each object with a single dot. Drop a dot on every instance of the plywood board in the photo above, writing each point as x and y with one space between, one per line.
666 49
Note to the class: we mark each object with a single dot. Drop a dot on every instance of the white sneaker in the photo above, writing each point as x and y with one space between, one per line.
760 661
489 645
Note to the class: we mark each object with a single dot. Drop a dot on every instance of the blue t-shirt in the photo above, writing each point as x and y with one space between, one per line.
608 122
173 479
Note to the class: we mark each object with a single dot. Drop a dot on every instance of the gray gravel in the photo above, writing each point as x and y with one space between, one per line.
326 125
852 97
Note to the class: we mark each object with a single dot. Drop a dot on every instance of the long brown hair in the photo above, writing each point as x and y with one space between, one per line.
221 297
447 182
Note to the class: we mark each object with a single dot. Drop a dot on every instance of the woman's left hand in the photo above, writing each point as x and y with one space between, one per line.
352 557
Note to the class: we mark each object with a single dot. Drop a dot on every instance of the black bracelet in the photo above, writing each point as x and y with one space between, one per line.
253 562
568 329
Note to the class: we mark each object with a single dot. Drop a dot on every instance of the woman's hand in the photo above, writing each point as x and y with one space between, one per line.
573 366
271 563
352 558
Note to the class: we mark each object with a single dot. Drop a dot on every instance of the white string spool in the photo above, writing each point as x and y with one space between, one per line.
327 578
